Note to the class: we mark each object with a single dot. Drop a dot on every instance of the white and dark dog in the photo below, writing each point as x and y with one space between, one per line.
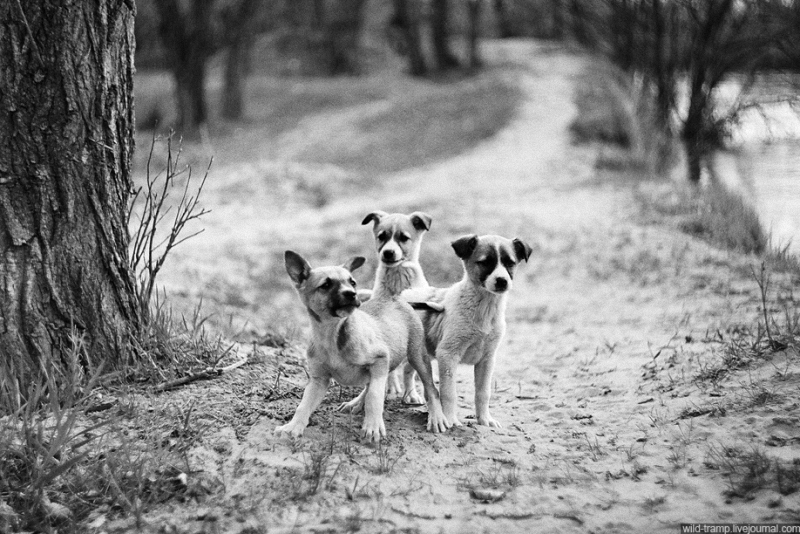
356 345
398 238
472 323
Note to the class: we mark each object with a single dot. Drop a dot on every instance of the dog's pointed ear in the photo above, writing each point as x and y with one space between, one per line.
375 216
522 249
465 246
354 263
421 220
298 268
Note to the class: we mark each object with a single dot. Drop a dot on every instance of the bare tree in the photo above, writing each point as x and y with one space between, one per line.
691 44
66 139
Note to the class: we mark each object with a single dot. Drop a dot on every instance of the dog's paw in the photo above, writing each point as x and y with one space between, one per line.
294 430
488 420
413 397
373 431
437 423
454 422
354 406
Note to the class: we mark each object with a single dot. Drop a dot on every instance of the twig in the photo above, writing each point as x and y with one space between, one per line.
202 375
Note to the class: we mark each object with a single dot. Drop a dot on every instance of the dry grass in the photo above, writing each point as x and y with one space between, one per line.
750 470
439 120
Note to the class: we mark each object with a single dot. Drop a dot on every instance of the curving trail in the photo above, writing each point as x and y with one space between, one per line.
594 383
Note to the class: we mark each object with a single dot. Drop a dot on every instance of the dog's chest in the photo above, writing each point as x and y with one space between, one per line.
342 367
393 281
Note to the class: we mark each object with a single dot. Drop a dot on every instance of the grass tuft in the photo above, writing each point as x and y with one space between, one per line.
749 471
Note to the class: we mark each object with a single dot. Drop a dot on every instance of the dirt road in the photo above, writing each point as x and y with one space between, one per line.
606 426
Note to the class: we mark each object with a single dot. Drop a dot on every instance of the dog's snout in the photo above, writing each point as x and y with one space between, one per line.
389 255
348 294
501 284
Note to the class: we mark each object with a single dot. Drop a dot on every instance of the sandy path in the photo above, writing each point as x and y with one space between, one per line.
605 334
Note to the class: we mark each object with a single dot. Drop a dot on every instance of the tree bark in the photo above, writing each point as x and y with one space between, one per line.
66 140
187 36
445 59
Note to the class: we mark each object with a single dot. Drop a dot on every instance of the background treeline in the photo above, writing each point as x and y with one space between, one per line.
681 52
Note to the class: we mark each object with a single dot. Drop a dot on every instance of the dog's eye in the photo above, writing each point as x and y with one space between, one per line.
403 238
508 263
327 284
352 282
383 236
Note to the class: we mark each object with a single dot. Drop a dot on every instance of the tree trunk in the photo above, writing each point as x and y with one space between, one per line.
505 25
233 95
343 32
66 139
188 41
579 23
190 80
694 128
445 59
239 26
474 29
407 18
558 19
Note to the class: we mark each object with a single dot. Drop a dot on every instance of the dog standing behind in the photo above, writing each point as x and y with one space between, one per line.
398 238
473 322
356 346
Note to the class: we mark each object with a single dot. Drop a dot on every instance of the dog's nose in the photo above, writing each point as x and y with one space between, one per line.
349 294
388 255
501 284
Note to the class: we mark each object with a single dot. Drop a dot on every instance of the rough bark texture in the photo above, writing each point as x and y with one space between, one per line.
66 138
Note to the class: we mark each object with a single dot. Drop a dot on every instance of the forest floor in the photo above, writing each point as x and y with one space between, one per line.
633 387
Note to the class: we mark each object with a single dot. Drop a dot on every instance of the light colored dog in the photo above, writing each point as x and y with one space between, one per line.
472 322
356 346
398 238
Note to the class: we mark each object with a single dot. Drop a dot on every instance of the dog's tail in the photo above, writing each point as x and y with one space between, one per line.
423 298
429 306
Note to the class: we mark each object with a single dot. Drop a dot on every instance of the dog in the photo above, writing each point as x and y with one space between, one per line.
465 322
398 238
356 345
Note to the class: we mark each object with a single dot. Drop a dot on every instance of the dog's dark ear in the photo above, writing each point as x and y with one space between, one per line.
522 249
299 270
465 246
421 220
354 263
375 216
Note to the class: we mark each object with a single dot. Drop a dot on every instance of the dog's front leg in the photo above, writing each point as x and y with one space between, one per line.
448 363
374 429
312 397
483 390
